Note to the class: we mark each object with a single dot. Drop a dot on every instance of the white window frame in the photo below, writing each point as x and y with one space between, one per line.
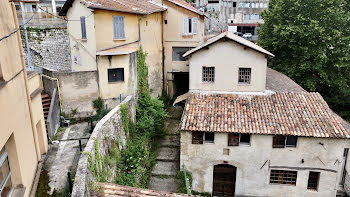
186 26
3 157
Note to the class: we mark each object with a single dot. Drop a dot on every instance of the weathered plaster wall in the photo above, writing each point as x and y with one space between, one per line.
113 90
253 176
173 37
227 57
83 51
107 130
49 47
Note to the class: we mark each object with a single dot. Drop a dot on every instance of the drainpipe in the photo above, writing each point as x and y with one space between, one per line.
37 151
29 57
58 87
53 4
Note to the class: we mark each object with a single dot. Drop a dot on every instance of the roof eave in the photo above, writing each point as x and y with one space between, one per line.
66 7
124 11
192 10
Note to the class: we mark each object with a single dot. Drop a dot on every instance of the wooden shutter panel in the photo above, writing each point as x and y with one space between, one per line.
233 139
197 137
115 25
118 27
121 27
194 25
185 26
83 27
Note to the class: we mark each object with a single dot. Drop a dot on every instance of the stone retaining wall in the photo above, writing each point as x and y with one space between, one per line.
108 130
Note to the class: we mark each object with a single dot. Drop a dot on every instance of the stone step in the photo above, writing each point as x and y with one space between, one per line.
171 141
165 168
171 126
168 154
159 183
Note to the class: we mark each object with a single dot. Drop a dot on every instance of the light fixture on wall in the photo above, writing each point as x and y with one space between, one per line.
302 161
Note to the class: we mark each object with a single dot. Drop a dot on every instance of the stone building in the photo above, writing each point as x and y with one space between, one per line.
247 130
241 16
22 132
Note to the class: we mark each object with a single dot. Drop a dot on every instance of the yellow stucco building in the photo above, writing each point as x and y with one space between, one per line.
22 131
105 36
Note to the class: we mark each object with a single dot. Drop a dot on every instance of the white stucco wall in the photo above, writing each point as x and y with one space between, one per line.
227 57
83 50
252 178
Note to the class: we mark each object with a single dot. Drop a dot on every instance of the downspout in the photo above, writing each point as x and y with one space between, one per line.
136 41
37 151
58 87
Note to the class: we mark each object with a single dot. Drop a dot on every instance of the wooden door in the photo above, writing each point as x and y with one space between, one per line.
224 180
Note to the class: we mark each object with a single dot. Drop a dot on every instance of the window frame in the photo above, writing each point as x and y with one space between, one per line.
237 136
282 177
3 159
208 74
244 70
117 21
209 141
190 23
83 27
116 75
317 181
285 145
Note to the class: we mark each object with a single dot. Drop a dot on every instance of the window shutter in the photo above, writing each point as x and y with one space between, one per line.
194 25
185 26
233 139
115 25
83 27
121 27
118 27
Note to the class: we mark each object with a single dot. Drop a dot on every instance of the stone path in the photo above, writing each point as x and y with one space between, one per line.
168 159
64 155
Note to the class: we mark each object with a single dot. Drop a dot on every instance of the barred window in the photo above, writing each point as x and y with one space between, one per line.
312 183
197 137
208 74
283 177
244 75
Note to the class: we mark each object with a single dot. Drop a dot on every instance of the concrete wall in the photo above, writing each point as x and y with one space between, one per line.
255 161
19 112
173 37
227 57
83 52
108 130
49 47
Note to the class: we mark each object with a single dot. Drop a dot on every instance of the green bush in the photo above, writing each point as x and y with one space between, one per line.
180 178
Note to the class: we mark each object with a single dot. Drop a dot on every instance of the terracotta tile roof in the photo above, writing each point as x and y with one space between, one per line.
187 6
129 6
109 190
232 37
279 82
297 113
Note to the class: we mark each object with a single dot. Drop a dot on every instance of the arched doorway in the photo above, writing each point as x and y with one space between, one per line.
224 180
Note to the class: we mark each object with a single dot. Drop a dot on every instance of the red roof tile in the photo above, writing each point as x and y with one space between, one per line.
186 5
297 113
129 6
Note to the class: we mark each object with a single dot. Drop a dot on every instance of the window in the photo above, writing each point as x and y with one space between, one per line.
34 8
244 75
312 183
209 137
5 174
283 177
253 5
28 7
115 74
234 139
246 16
178 53
234 4
241 5
213 1
83 27
280 141
58 9
118 27
190 26
18 7
165 21
197 137
208 74
261 5
247 5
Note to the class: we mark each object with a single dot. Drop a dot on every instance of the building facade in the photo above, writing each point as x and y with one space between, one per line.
23 134
240 137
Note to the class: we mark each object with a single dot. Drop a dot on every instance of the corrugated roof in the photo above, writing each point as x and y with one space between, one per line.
128 6
109 189
187 6
232 37
297 114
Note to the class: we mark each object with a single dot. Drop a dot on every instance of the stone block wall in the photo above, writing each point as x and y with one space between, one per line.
109 129
49 47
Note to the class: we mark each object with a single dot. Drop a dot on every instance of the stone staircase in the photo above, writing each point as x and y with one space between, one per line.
46 101
168 159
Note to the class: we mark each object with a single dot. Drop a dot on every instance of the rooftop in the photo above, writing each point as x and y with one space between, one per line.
282 113
128 6
230 36
279 82
187 6
109 189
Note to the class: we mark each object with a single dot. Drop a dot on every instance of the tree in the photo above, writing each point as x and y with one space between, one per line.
311 42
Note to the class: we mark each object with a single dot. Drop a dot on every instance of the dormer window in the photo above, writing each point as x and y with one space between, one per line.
208 74
244 75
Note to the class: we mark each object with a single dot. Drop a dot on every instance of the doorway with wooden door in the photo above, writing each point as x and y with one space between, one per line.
224 180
